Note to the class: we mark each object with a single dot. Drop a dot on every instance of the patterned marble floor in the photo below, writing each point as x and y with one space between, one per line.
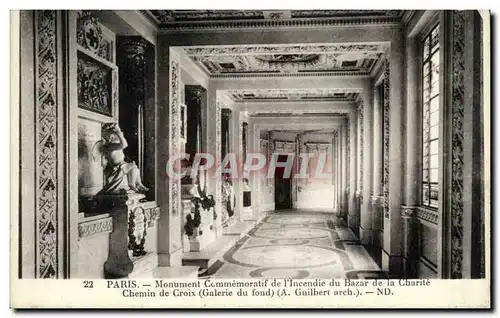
294 244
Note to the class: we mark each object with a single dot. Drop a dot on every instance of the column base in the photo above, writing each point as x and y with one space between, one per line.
352 221
393 264
366 236
246 214
172 259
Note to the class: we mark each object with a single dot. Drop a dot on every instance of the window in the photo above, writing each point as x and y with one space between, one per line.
430 119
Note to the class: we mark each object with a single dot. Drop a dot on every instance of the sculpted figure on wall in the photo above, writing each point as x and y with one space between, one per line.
120 176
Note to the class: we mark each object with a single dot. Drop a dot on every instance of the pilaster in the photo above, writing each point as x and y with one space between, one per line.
366 223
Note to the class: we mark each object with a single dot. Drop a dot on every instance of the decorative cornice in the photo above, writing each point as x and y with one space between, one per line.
408 211
377 200
407 17
289 94
427 215
94 227
277 24
326 48
301 74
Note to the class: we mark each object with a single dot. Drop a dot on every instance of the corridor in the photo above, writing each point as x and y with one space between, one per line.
297 244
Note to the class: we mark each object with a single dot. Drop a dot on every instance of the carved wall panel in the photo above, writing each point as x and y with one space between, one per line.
95 85
348 157
360 134
387 99
218 153
47 135
90 36
175 118
457 138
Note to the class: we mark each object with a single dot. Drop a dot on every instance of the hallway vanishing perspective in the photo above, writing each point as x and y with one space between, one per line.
252 143
291 244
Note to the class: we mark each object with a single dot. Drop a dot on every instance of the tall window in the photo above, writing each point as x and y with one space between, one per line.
430 124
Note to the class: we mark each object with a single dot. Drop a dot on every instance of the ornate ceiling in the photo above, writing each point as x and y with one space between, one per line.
263 95
194 19
295 114
311 59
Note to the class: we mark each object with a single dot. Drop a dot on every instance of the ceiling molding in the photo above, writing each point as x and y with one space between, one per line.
296 60
293 95
196 20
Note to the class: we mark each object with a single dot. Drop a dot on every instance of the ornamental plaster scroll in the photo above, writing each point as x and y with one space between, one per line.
375 47
46 136
457 142
361 149
94 227
175 126
386 137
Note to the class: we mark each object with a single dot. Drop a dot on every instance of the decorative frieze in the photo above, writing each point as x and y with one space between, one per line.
47 136
348 152
427 215
457 143
386 136
408 211
175 118
360 151
284 49
377 200
94 227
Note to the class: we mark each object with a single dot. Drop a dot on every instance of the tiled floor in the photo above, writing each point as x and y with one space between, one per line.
294 244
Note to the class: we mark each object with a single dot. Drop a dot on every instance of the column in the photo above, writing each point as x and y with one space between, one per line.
376 198
227 179
366 213
353 213
343 170
393 166
169 200
246 193
236 145
413 154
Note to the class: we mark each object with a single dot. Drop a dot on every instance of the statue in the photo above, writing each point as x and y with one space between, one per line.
116 169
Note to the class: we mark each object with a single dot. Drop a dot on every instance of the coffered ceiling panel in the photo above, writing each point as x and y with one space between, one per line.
262 95
311 59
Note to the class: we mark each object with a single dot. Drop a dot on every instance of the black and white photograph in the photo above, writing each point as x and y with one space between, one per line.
322 150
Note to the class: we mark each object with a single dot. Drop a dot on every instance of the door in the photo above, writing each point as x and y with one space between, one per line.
282 187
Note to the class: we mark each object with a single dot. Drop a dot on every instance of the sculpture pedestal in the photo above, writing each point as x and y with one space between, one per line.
119 263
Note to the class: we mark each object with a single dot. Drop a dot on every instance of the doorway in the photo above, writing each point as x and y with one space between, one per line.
282 187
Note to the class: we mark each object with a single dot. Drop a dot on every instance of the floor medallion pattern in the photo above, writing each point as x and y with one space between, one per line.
297 245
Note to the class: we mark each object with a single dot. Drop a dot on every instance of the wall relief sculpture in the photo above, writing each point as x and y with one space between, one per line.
89 35
95 85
